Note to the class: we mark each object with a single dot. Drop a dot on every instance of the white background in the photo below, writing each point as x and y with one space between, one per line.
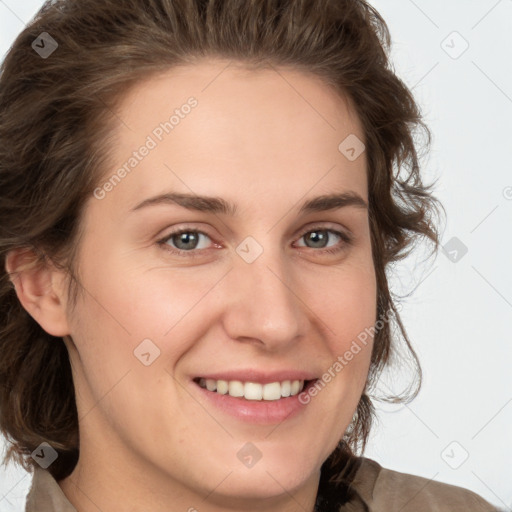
459 316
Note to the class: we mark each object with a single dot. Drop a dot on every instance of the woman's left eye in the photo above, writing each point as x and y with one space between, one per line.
188 241
323 235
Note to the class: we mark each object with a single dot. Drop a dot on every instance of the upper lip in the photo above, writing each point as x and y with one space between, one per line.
259 376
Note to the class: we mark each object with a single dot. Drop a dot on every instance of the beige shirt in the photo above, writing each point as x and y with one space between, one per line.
373 489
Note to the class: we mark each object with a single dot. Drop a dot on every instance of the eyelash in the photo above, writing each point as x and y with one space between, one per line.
347 239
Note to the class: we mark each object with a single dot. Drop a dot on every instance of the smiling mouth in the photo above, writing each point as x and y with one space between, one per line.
254 390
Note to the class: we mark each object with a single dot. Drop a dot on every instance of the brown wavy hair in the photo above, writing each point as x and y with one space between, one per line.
56 114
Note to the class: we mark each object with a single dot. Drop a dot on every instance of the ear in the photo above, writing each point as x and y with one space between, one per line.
40 288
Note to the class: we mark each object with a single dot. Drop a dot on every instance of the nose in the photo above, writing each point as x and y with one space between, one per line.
265 303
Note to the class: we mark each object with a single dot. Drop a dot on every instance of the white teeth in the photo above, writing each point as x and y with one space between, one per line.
222 387
272 391
236 388
253 390
295 388
211 385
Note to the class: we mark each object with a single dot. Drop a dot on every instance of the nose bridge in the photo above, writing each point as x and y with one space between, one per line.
264 304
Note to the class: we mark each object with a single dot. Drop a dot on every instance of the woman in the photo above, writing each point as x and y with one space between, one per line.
235 373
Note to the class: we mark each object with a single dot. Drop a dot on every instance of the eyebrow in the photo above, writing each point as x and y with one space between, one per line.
216 205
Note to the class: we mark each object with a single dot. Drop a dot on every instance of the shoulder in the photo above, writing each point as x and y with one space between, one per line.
45 494
385 489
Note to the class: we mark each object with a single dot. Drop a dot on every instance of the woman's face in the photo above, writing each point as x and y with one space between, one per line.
253 295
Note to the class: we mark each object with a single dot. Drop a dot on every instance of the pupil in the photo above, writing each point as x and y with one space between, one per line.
320 237
186 237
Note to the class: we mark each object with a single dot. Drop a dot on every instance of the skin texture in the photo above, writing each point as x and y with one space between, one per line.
266 140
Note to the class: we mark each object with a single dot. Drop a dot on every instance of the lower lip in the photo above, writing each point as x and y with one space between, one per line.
262 412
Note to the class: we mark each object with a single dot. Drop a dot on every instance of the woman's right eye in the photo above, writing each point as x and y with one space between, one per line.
184 241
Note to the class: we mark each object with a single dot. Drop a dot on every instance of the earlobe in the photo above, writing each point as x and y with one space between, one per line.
39 289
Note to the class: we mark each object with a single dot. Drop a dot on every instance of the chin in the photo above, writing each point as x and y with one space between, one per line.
265 482
277 474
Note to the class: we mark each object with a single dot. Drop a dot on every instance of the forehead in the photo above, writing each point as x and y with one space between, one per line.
218 125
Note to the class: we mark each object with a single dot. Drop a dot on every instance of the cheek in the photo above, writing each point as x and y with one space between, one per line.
344 299
345 302
130 316
140 301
